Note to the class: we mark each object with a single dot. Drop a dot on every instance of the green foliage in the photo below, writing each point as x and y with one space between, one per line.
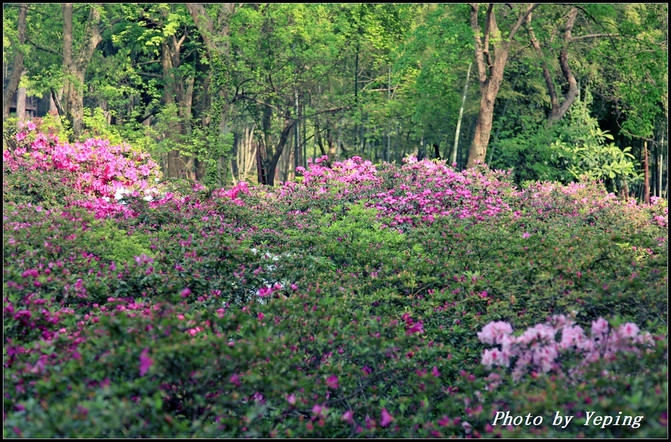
530 155
584 147
114 244
352 234
32 187
573 149
96 125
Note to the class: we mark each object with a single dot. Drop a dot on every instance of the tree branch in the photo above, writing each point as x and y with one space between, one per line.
572 92
546 71
142 63
521 19
110 24
583 37
479 56
48 50
490 26
633 135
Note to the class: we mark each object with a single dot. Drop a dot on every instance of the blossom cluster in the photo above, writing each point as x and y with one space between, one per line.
416 192
538 350
422 191
431 189
232 193
352 170
102 169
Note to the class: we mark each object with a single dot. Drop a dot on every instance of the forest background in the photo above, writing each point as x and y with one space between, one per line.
222 93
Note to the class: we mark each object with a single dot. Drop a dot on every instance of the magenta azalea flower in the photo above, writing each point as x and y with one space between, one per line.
386 418
145 362
332 382
235 380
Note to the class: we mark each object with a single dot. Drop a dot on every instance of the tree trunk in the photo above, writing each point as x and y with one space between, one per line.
332 153
215 35
21 103
75 68
305 141
17 68
54 104
490 71
483 128
173 166
246 153
279 149
264 149
356 93
646 172
461 115
67 58
261 164
318 137
660 163
436 151
297 133
387 150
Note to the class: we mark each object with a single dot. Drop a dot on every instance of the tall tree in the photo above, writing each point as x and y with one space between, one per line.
17 68
491 54
215 33
283 53
461 115
75 66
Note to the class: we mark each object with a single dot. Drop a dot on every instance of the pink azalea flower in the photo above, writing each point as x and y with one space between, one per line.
600 326
386 418
628 330
417 327
332 382
318 409
494 331
145 362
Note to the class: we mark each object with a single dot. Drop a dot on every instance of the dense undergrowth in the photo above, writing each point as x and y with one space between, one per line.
364 301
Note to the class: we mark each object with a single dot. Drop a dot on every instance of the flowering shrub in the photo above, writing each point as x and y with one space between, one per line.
537 348
101 169
346 305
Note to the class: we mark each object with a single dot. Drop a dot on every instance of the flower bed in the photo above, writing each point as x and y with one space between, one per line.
390 287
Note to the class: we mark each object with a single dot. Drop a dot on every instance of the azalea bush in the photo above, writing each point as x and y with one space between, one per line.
365 300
